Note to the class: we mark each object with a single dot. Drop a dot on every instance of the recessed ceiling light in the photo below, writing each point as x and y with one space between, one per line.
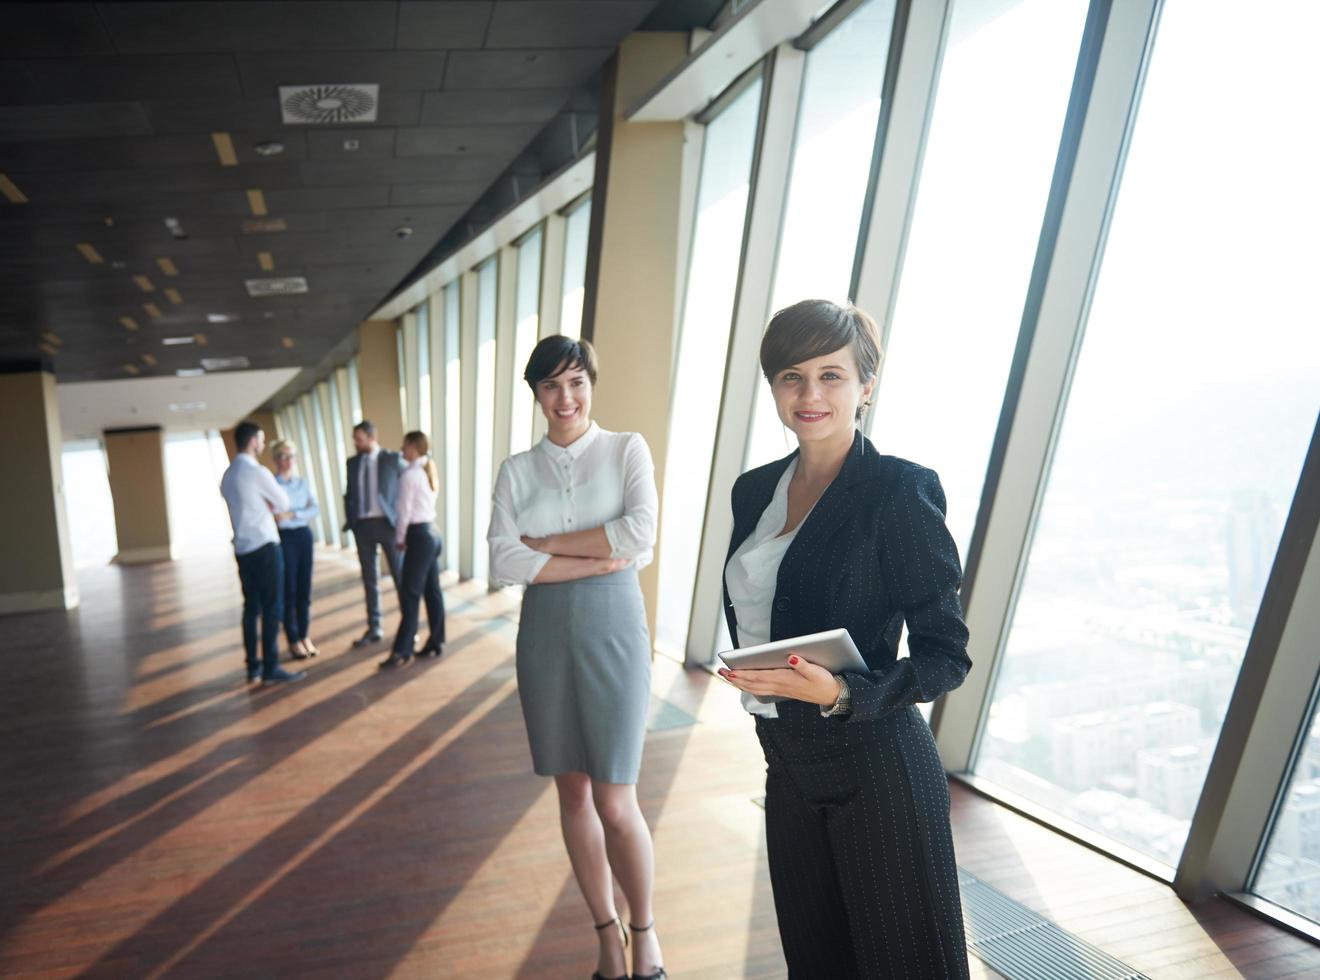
149 359
152 309
269 148
254 225
189 373
200 338
224 149
266 261
11 192
128 322
352 145
176 229
221 317
286 343
278 286
176 341
167 266
89 253
225 363
173 295
144 284
132 369
256 202
187 406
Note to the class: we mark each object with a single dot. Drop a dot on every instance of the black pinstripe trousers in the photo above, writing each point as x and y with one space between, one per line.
861 854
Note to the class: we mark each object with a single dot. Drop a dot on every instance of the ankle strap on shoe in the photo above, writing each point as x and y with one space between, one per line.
650 925
618 923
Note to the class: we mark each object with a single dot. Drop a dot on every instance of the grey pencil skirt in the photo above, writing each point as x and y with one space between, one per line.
584 676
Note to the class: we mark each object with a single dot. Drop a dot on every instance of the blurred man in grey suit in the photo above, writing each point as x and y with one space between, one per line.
373 482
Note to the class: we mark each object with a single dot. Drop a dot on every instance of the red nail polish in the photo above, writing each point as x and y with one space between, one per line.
793 661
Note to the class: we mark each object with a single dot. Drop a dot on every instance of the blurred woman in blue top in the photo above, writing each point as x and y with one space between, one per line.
296 542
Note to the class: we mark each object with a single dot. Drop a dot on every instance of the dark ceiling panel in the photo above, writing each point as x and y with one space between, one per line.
564 23
249 115
396 71
449 192
331 173
161 28
500 107
107 116
330 144
566 68
455 24
61 122
101 79
504 141
50 30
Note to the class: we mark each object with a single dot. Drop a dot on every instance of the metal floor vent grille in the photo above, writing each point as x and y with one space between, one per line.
1022 945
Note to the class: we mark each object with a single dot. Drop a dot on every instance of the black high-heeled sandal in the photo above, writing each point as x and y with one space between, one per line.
623 937
660 973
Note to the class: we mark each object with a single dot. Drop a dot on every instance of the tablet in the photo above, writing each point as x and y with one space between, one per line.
833 649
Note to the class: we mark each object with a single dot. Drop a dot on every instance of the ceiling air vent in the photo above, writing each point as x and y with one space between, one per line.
304 105
225 363
280 286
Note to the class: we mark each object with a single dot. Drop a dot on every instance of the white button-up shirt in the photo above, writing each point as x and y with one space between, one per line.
415 503
604 479
252 495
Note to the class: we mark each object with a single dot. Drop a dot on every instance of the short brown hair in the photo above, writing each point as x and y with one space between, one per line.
814 328
557 354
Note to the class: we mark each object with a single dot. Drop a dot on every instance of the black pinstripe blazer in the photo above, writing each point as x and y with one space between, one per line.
873 553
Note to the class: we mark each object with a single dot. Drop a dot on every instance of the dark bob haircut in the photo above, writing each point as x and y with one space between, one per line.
815 327
557 354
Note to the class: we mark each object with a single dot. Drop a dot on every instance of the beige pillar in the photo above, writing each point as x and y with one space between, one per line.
135 459
36 563
630 312
378 377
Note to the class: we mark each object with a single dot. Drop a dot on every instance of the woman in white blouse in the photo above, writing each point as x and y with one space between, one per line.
573 519
415 535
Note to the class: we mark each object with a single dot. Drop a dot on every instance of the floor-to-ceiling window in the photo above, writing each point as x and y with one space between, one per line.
453 409
994 135
577 227
401 360
306 462
721 213
483 475
88 503
320 451
422 316
526 322
1194 396
354 392
832 153
339 447
198 518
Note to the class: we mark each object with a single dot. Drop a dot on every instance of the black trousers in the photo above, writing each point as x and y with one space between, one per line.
262 574
420 579
296 543
861 854
371 533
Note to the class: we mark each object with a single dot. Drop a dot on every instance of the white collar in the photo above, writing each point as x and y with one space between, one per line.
575 448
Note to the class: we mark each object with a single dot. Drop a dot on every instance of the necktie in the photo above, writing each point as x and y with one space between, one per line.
371 484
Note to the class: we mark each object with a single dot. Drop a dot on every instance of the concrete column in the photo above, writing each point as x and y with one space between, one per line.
36 563
136 462
630 313
378 377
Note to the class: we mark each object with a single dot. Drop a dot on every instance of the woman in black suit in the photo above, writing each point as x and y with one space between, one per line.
857 803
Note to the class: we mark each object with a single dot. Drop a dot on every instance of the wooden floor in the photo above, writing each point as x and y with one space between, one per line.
159 818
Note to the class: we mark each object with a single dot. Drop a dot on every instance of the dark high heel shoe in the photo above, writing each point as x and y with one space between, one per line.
623 937
431 648
395 660
660 973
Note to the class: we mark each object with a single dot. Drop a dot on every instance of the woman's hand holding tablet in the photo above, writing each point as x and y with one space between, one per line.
801 668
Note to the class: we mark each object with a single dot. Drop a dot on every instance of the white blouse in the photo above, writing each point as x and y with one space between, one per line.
415 503
753 573
603 479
